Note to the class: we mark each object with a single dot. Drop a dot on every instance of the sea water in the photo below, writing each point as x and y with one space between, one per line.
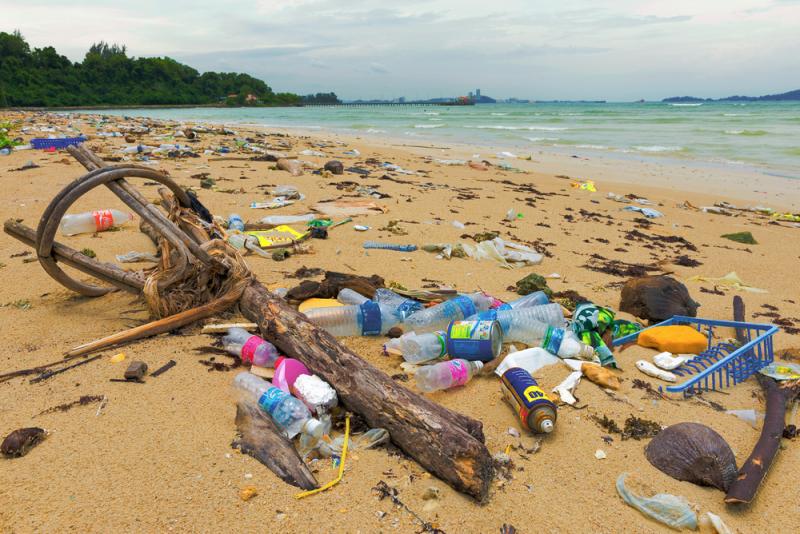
760 135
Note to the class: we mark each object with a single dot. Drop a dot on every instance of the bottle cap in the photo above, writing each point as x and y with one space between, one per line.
478 365
314 427
547 426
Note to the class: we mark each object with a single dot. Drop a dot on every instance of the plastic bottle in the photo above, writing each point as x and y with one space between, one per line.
530 300
559 341
250 348
446 375
367 319
402 307
439 316
249 242
289 413
521 319
348 296
93 221
235 222
417 348
277 220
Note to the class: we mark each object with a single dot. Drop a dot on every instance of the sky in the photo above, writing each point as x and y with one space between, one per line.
540 49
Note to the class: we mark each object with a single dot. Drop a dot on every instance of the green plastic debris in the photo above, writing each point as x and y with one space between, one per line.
741 237
533 283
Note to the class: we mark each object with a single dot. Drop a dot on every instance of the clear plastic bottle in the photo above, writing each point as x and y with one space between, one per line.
235 222
530 300
367 319
248 242
93 221
348 296
289 413
277 220
250 348
446 375
417 348
439 316
519 318
402 307
559 341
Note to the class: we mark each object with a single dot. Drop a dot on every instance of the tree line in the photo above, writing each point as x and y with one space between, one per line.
108 76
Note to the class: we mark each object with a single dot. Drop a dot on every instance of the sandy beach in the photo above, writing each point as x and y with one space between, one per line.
158 455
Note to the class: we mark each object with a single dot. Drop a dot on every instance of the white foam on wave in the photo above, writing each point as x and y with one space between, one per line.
530 128
537 139
687 105
375 130
428 125
658 148
593 147
499 114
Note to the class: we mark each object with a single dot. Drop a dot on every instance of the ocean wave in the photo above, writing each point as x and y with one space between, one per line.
428 125
530 128
375 130
686 104
499 114
593 147
538 139
752 133
658 148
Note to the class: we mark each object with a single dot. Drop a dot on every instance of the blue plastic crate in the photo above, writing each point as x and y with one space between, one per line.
723 364
40 143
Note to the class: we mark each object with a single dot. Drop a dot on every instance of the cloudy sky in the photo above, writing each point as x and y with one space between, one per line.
545 49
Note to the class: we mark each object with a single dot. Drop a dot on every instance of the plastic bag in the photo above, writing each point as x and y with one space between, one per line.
665 508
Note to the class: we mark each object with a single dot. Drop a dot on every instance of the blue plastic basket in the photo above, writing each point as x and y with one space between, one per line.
723 364
40 143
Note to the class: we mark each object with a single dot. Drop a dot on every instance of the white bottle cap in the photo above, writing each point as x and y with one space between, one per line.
314 427
547 426
478 366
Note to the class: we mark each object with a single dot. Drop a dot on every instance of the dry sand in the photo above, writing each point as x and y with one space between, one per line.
158 457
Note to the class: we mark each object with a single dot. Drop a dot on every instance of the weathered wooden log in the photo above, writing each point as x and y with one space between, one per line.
738 315
447 444
261 439
754 470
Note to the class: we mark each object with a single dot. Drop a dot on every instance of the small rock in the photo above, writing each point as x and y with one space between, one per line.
247 493
380 514
22 440
334 167
600 454
431 493
135 370
248 476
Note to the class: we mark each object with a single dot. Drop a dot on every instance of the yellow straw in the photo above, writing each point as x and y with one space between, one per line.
336 480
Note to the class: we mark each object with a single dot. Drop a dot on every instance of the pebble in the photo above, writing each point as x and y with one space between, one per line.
600 454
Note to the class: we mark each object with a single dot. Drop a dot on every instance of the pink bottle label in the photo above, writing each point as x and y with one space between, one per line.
103 220
458 370
249 348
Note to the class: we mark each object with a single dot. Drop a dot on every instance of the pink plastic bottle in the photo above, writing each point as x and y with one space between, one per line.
286 372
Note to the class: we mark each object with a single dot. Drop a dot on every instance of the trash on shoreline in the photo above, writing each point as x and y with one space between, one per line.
731 280
665 508
741 237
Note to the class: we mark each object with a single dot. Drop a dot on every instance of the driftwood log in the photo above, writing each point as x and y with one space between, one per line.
450 445
754 470
261 439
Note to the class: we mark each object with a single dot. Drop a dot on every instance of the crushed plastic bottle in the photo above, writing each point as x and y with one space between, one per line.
367 319
417 348
402 307
250 348
93 221
289 413
516 320
439 316
446 375
348 296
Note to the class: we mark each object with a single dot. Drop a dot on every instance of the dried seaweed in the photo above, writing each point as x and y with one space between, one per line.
638 428
82 401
